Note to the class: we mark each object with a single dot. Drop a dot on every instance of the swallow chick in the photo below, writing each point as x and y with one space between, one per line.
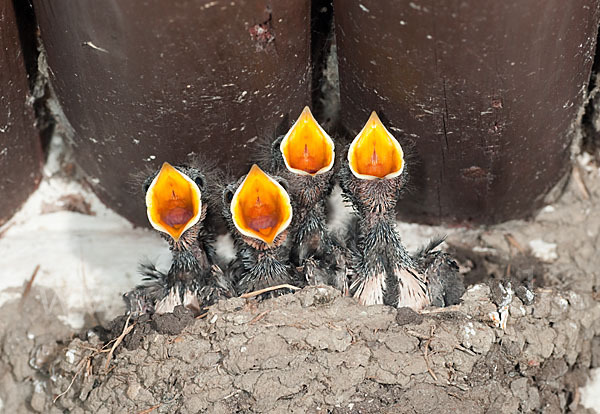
383 272
258 212
304 157
445 283
176 205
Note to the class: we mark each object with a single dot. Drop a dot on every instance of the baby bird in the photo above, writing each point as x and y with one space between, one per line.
445 283
383 272
258 212
304 157
176 206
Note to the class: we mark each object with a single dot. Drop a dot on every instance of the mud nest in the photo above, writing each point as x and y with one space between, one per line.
313 351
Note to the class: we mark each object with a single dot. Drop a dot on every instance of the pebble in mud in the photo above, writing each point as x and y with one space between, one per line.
405 316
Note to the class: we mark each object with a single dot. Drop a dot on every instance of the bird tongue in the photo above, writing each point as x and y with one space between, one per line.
263 224
308 162
375 167
176 213
261 217
177 217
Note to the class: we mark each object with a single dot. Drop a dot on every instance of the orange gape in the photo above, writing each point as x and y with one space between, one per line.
374 151
306 147
173 201
260 207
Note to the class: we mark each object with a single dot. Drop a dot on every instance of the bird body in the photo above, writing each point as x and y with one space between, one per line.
258 212
382 271
194 280
441 272
304 157
314 251
262 268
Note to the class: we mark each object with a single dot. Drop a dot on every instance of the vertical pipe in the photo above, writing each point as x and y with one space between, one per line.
20 149
486 92
146 82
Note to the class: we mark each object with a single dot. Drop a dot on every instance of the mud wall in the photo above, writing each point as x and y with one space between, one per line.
315 351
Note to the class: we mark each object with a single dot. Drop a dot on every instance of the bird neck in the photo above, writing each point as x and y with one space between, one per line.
380 234
263 268
310 212
308 221
184 261
381 204
192 252
375 198
310 192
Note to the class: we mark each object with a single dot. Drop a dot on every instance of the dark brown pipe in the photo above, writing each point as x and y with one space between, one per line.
487 91
153 81
20 147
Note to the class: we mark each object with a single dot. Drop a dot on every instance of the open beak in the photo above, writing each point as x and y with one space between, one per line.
375 153
261 207
306 148
173 202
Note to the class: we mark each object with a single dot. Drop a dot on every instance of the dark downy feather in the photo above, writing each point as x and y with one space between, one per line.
315 253
382 271
193 279
257 265
445 283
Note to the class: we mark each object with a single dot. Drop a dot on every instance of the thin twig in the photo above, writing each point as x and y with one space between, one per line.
269 289
417 334
465 350
126 330
106 345
258 317
80 366
6 228
202 316
513 242
578 178
426 355
577 397
149 410
96 350
88 367
30 283
452 308
353 341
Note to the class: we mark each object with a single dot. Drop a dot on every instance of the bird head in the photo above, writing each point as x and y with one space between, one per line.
174 200
306 148
306 155
374 173
375 153
259 209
